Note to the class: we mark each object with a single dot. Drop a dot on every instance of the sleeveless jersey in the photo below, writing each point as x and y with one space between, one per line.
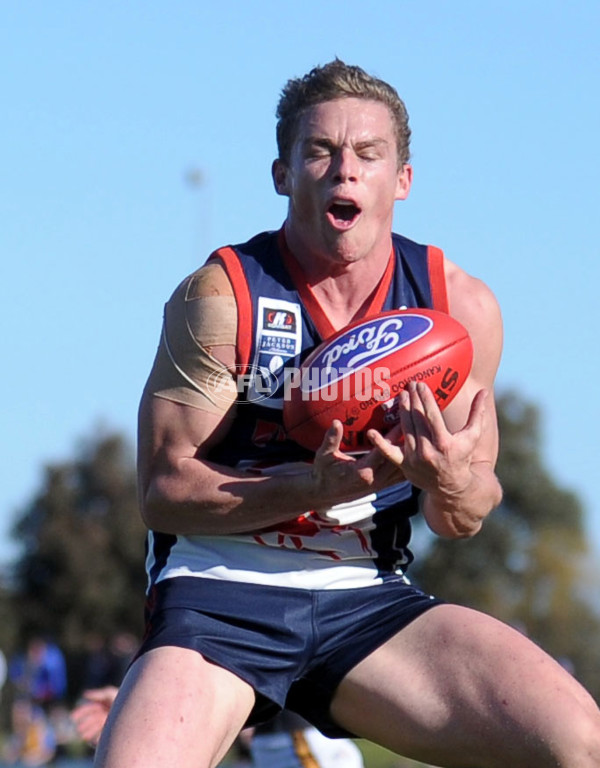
279 323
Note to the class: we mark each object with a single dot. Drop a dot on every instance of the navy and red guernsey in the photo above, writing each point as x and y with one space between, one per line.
280 322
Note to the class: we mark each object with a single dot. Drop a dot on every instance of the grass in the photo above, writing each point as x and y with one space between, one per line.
374 757
378 757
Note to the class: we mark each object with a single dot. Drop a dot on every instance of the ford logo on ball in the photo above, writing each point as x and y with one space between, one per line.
367 343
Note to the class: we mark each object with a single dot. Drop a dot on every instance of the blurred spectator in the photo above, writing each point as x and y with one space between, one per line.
31 741
99 667
123 647
3 670
288 741
90 714
39 678
105 661
39 673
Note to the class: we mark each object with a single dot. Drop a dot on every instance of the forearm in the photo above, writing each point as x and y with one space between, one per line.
206 499
459 511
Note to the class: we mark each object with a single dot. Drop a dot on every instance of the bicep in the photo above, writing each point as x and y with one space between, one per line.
169 433
197 349
191 390
475 306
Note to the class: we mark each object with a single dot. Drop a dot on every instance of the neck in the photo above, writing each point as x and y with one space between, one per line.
341 261
343 287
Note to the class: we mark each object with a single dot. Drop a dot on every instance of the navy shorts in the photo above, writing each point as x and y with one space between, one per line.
293 646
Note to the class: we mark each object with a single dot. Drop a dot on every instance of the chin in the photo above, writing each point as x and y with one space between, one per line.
335 247
348 249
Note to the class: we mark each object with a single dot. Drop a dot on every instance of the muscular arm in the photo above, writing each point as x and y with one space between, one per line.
181 417
183 493
461 502
451 457
180 420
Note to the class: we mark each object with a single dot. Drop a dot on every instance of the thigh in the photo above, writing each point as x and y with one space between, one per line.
174 708
458 688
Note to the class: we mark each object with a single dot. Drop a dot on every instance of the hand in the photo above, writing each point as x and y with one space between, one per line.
431 457
341 477
89 716
451 467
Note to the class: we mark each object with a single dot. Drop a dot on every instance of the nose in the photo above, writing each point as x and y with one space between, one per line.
345 165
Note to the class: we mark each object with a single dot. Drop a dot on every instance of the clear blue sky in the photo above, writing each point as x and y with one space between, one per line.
107 107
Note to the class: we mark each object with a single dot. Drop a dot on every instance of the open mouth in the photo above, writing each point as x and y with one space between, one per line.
343 212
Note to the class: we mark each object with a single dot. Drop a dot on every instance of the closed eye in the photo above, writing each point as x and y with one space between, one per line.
372 150
320 148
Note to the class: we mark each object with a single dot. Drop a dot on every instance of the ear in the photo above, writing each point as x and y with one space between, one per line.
279 172
404 181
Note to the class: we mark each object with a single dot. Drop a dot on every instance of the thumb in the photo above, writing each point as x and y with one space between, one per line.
332 439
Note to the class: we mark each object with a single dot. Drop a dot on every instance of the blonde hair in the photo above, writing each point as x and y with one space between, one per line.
337 80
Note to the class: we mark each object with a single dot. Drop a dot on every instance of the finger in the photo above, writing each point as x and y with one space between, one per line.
332 439
407 416
375 458
394 435
330 447
383 447
432 415
422 405
477 412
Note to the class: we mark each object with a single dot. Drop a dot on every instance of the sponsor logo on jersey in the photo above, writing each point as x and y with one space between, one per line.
366 344
278 339
279 320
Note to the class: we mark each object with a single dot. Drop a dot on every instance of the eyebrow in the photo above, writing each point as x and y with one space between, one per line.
375 141
323 141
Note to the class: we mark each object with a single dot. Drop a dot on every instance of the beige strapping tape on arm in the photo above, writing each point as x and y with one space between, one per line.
192 329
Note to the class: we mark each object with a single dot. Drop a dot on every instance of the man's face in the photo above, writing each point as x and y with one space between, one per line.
342 181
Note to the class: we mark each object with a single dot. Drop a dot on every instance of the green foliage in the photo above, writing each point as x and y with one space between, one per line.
378 757
81 571
8 624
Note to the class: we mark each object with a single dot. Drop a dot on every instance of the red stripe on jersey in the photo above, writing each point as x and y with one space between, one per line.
310 301
437 279
376 305
241 292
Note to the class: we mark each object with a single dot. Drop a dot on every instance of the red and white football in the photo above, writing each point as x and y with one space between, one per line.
356 374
